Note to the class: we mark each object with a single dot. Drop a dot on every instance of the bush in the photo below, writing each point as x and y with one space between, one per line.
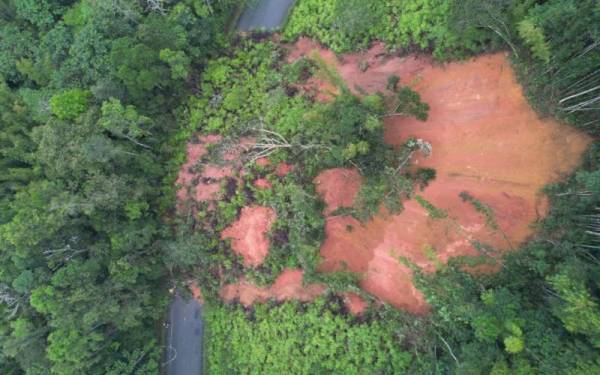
349 25
300 339
69 104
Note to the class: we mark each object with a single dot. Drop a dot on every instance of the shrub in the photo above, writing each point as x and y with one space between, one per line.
300 339
69 104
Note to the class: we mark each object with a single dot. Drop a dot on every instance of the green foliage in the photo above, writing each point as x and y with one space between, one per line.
300 339
387 187
91 119
79 13
178 61
69 104
534 37
557 63
86 109
136 66
408 103
349 25
124 121
482 208
298 231
423 176
579 311
16 44
392 83
539 314
433 211
235 91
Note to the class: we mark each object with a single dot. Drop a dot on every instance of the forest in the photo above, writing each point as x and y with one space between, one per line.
98 100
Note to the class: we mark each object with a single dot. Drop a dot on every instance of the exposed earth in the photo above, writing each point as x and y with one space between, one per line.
488 144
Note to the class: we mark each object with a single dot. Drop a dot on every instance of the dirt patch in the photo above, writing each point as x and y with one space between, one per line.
262 183
287 286
263 162
486 141
283 169
200 180
196 292
338 187
354 303
249 234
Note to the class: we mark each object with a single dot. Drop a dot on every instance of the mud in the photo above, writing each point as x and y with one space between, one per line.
354 303
262 183
338 187
249 234
486 141
287 286
196 292
283 169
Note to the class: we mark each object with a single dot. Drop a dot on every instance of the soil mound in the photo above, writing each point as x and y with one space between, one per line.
338 187
354 303
196 291
201 176
249 234
488 146
288 286
491 152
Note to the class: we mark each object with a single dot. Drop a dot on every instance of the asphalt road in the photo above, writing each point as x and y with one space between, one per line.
185 326
266 14
184 338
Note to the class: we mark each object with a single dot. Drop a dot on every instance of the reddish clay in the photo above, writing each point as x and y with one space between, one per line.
249 234
283 169
205 185
338 187
287 286
202 183
263 183
354 303
263 162
486 141
196 292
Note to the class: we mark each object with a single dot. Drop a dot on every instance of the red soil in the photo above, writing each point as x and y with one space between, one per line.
338 187
283 169
248 234
202 186
486 141
263 162
263 183
205 185
196 292
354 303
288 286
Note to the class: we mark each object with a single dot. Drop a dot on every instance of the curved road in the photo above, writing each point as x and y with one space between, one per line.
267 15
184 338
185 327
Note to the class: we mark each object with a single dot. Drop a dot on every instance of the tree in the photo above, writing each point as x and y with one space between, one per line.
15 45
69 104
494 15
178 61
124 121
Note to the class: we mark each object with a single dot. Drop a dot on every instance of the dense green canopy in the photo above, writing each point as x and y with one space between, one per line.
97 99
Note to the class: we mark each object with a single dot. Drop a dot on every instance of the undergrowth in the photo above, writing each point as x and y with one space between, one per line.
347 25
252 93
315 338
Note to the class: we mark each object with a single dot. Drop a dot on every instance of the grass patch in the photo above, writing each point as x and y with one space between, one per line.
482 208
433 211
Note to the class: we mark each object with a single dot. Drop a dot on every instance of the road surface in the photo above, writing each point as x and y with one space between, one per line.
266 14
184 337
